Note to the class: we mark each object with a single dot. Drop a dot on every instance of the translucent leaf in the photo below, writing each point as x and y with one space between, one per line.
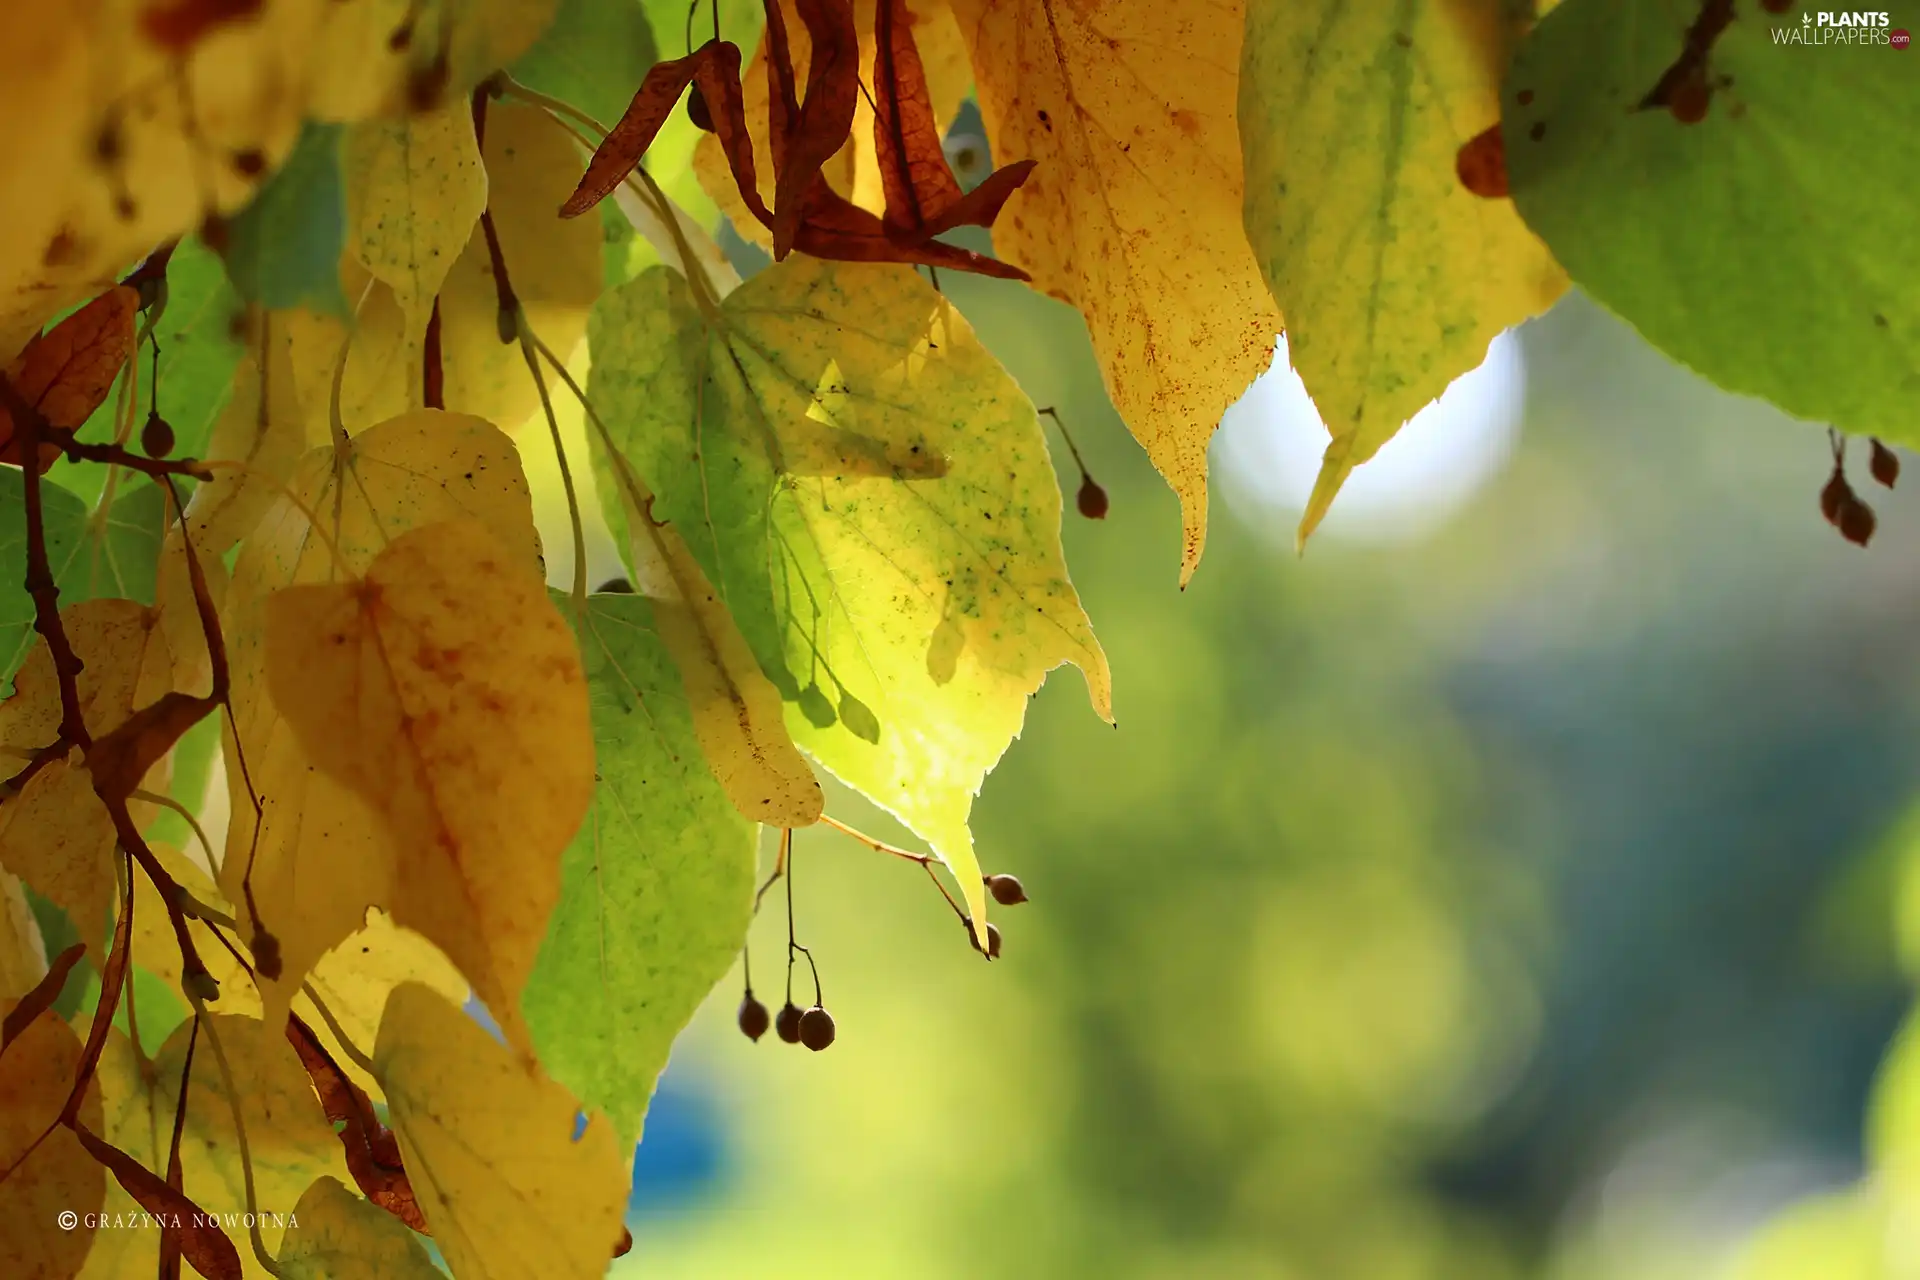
1678 226
445 690
36 1073
656 888
55 833
1133 214
871 494
322 852
415 190
1393 276
340 1236
283 249
514 1192
593 55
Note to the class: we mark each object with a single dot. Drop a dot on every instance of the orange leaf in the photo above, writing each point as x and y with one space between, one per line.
923 198
372 1152
67 371
715 66
179 26
837 229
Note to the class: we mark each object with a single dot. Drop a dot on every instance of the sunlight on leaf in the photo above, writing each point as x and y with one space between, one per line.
1133 213
871 493
341 1236
514 1193
655 888
445 689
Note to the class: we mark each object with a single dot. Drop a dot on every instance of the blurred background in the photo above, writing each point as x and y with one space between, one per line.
1520 884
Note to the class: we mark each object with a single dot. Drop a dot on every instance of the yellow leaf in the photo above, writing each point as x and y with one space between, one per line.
23 953
512 1193
445 689
870 494
1133 214
55 834
157 950
289 1139
553 263
57 1175
1392 275
261 427
854 171
341 1236
370 54
318 852
355 978
736 711
384 375
415 190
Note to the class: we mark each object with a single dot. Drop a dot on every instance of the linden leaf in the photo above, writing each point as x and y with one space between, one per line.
656 890
735 709
261 427
872 495
64 519
67 371
515 1192
415 191
318 852
23 954
156 950
283 249
288 1138
1392 275
56 1175
355 978
591 56
555 267
340 1236
1675 226
1133 213
55 833
445 689
854 171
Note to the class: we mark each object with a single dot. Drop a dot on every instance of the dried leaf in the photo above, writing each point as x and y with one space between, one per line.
67 371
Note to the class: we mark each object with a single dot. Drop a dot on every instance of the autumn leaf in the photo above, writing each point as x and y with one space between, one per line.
261 427
318 853
340 1236
735 709
1133 211
655 889
1673 227
282 248
854 171
47 1169
445 690
66 372
23 955
923 197
415 189
514 1192
871 493
591 56
55 833
288 1140
354 979
1393 276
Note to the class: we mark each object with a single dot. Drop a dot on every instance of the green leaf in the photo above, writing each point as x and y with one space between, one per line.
337 1235
64 520
870 493
114 552
656 890
593 56
197 359
1761 245
1393 278
283 249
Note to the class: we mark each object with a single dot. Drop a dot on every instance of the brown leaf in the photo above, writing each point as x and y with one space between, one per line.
923 197
202 1242
41 998
67 371
715 68
837 229
807 133
372 1152
178 26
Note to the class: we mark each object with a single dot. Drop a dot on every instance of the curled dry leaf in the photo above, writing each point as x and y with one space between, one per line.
67 371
